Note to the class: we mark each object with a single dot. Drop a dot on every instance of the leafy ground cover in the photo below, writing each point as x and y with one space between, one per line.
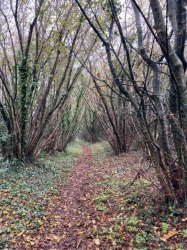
133 214
25 192
104 202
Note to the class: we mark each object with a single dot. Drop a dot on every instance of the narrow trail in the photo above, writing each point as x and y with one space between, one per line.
68 228
99 209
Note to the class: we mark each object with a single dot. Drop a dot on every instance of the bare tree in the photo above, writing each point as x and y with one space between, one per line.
152 60
37 70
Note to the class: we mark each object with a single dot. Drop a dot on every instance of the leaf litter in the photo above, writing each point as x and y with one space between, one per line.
108 202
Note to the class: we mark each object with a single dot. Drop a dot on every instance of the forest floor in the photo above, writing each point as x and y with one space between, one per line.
104 202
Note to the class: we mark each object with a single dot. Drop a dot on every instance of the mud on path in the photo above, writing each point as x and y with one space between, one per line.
69 225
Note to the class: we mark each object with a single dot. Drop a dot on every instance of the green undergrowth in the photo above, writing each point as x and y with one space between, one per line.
25 192
101 149
133 214
75 148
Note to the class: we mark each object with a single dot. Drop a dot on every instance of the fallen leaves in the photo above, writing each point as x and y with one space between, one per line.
97 242
96 209
170 234
25 193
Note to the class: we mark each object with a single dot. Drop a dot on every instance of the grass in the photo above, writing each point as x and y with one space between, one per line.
26 191
74 148
101 149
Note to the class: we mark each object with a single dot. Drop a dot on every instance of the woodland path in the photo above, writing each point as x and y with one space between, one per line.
108 203
73 215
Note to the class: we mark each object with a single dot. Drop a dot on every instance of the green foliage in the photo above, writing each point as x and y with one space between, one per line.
139 238
132 209
101 207
102 198
165 227
184 232
179 246
4 165
74 148
132 229
100 202
5 139
24 81
126 202
132 221
26 191
69 120
101 149
95 231
82 19
91 129
24 73
4 136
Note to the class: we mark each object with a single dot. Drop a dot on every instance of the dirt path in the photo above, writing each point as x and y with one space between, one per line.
68 228
97 209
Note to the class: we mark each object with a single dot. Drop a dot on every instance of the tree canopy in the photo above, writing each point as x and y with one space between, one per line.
106 68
